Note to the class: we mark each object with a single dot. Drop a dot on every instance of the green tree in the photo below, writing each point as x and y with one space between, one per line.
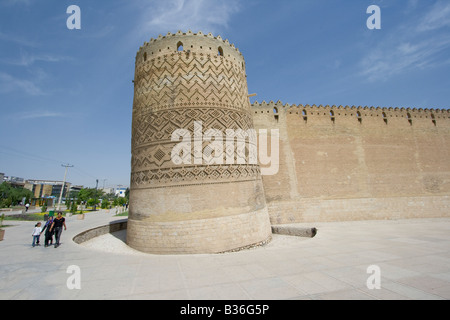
89 193
127 194
92 202
122 201
84 194
73 208
5 203
10 195
110 196
73 194
105 204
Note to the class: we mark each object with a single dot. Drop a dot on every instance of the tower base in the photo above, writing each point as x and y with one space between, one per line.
212 235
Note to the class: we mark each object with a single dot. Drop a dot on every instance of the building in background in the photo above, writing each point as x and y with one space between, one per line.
15 182
75 188
47 188
108 190
120 192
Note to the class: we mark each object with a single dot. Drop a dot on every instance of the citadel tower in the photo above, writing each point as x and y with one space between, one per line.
191 207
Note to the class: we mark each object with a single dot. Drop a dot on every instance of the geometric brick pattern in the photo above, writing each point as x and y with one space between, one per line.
173 91
189 80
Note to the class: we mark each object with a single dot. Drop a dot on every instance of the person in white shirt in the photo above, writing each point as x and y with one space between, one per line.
36 234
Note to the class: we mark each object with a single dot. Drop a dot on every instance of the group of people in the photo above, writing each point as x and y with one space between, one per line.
53 226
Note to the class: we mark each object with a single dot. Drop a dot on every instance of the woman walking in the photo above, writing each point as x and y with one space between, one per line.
58 223
48 234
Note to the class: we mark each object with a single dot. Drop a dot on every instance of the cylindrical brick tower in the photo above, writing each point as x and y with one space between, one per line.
192 82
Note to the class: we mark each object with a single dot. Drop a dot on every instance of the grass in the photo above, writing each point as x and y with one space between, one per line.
123 214
39 216
25 217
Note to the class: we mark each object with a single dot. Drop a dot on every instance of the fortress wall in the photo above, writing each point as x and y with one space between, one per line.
348 163
277 187
312 210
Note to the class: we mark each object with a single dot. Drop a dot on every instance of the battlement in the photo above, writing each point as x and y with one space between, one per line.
188 42
305 111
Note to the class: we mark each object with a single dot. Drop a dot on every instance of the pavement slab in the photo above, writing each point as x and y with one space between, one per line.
332 266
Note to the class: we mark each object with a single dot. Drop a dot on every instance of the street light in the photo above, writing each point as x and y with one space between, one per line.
63 185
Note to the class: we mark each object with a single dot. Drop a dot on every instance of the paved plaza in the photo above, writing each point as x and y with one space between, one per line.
413 257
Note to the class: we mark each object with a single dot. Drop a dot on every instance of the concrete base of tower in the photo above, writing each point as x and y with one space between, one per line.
196 236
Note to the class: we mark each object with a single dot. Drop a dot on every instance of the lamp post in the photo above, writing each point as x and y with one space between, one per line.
64 183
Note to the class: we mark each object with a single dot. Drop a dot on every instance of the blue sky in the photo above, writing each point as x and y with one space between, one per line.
66 95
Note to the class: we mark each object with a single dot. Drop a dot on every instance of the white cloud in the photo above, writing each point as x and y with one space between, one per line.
411 5
410 46
37 114
195 15
390 59
27 59
14 2
438 17
17 40
9 83
102 32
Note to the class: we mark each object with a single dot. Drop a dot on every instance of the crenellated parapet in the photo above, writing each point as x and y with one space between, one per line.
333 112
188 42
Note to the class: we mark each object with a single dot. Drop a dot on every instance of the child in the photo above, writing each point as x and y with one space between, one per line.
36 233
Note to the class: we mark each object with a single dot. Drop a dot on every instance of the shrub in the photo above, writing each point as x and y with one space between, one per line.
73 207
105 204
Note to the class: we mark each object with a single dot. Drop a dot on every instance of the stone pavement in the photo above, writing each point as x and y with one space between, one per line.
413 257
